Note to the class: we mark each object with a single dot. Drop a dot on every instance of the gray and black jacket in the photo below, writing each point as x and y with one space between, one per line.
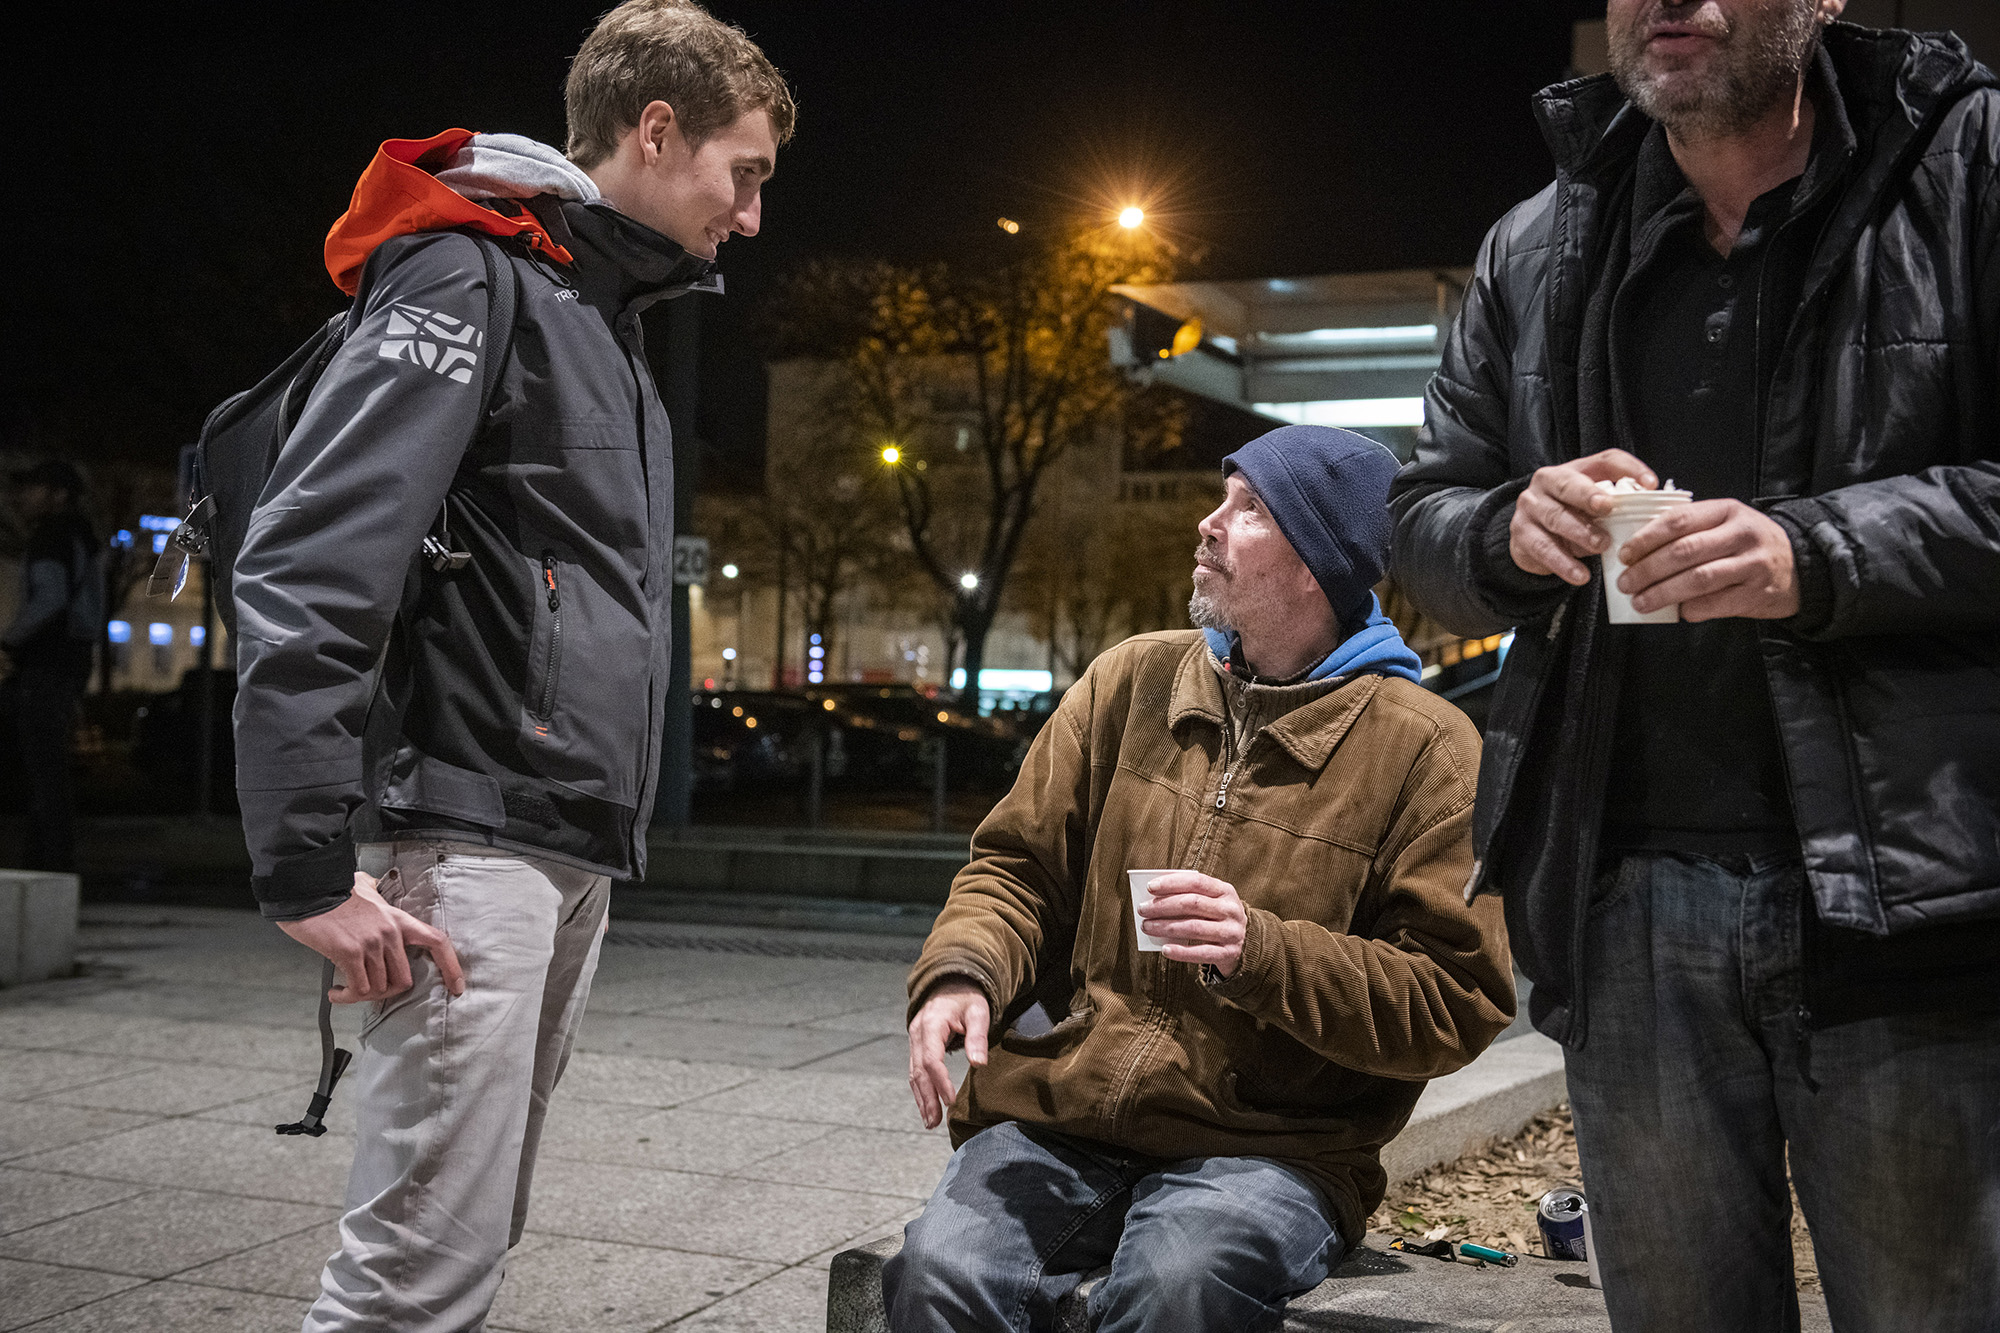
1881 459
517 701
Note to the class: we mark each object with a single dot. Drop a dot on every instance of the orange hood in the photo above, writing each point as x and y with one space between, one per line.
398 195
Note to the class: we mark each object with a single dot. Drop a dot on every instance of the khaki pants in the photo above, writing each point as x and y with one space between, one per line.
450 1093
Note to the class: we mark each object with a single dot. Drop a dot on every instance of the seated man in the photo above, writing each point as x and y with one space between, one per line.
1207 1119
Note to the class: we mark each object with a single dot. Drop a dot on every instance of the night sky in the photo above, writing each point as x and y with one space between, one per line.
177 170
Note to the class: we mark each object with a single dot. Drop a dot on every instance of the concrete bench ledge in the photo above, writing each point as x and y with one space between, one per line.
37 926
1376 1290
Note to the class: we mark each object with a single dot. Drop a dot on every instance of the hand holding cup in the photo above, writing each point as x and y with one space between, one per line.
1189 917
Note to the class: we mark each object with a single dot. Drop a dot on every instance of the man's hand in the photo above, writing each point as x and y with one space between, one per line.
366 938
1200 917
1716 558
954 1009
1554 525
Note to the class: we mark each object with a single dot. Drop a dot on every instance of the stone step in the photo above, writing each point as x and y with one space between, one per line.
1375 1290
37 926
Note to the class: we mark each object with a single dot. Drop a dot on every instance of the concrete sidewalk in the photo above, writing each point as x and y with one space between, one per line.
735 1115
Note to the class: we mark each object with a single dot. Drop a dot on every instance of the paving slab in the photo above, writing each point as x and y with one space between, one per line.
26 1074
802 1003
678 1140
726 1216
791 1301
162 1232
593 1076
36 1024
886 1057
32 1127
151 997
871 1160
865 1101
175 1307
174 1089
292 1050
29 1292
207 1154
670 980
729 1043
564 1285
30 1198
289 1266
882 1020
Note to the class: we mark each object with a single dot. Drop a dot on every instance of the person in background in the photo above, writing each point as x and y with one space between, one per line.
49 647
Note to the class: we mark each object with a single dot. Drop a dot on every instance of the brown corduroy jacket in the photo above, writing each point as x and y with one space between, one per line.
1344 825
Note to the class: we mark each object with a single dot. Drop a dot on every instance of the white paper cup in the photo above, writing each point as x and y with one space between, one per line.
1630 512
1139 879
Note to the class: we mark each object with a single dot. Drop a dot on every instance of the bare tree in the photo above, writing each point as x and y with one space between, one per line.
973 387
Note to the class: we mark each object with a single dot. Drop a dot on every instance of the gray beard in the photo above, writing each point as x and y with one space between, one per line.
1759 70
1205 614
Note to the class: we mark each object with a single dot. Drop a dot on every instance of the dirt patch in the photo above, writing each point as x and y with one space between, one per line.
1489 1197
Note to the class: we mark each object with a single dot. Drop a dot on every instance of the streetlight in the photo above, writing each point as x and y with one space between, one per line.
1131 216
1011 227
891 455
968 581
730 571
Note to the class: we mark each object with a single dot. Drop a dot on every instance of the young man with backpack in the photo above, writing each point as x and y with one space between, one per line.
444 761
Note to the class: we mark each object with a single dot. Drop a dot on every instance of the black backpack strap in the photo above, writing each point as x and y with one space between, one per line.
333 1062
503 300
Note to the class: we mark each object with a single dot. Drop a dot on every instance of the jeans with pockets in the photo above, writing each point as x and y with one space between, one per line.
1022 1216
1698 1081
450 1092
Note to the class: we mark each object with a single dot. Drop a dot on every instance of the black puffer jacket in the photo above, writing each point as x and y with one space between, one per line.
1881 458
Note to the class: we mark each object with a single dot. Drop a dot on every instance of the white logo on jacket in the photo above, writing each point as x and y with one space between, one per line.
452 355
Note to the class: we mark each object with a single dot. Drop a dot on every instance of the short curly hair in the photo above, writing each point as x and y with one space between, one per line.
671 51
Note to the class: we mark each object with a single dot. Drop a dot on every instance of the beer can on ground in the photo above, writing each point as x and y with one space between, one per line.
1561 1219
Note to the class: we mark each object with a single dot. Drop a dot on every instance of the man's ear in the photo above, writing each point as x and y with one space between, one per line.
657 127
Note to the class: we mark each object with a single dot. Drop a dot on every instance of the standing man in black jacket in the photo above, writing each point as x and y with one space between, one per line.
459 760
1751 860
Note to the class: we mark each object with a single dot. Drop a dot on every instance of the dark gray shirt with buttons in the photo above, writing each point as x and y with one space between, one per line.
1696 765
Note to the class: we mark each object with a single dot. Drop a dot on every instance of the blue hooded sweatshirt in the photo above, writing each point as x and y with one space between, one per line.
1376 647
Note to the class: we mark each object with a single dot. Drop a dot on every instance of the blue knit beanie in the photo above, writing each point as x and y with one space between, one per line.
1328 490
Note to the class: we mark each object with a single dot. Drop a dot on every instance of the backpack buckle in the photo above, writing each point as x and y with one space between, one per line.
442 558
185 544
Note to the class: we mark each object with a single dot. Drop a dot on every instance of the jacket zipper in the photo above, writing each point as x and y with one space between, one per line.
1158 1017
547 705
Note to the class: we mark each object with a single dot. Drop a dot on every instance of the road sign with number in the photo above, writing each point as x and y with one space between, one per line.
690 560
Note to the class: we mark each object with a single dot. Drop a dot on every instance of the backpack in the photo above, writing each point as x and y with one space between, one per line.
243 437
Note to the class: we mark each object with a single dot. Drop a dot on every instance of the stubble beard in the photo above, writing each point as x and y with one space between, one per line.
1757 66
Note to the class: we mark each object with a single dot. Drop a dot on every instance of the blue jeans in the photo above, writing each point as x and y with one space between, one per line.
1022 1216
1697 1080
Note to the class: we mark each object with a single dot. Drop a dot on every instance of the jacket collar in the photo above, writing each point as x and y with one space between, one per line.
1309 733
636 264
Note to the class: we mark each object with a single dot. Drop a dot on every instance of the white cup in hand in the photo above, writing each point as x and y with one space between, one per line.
1141 881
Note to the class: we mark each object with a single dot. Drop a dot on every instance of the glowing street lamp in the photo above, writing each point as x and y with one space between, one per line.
1011 227
892 455
968 581
1131 216
730 571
